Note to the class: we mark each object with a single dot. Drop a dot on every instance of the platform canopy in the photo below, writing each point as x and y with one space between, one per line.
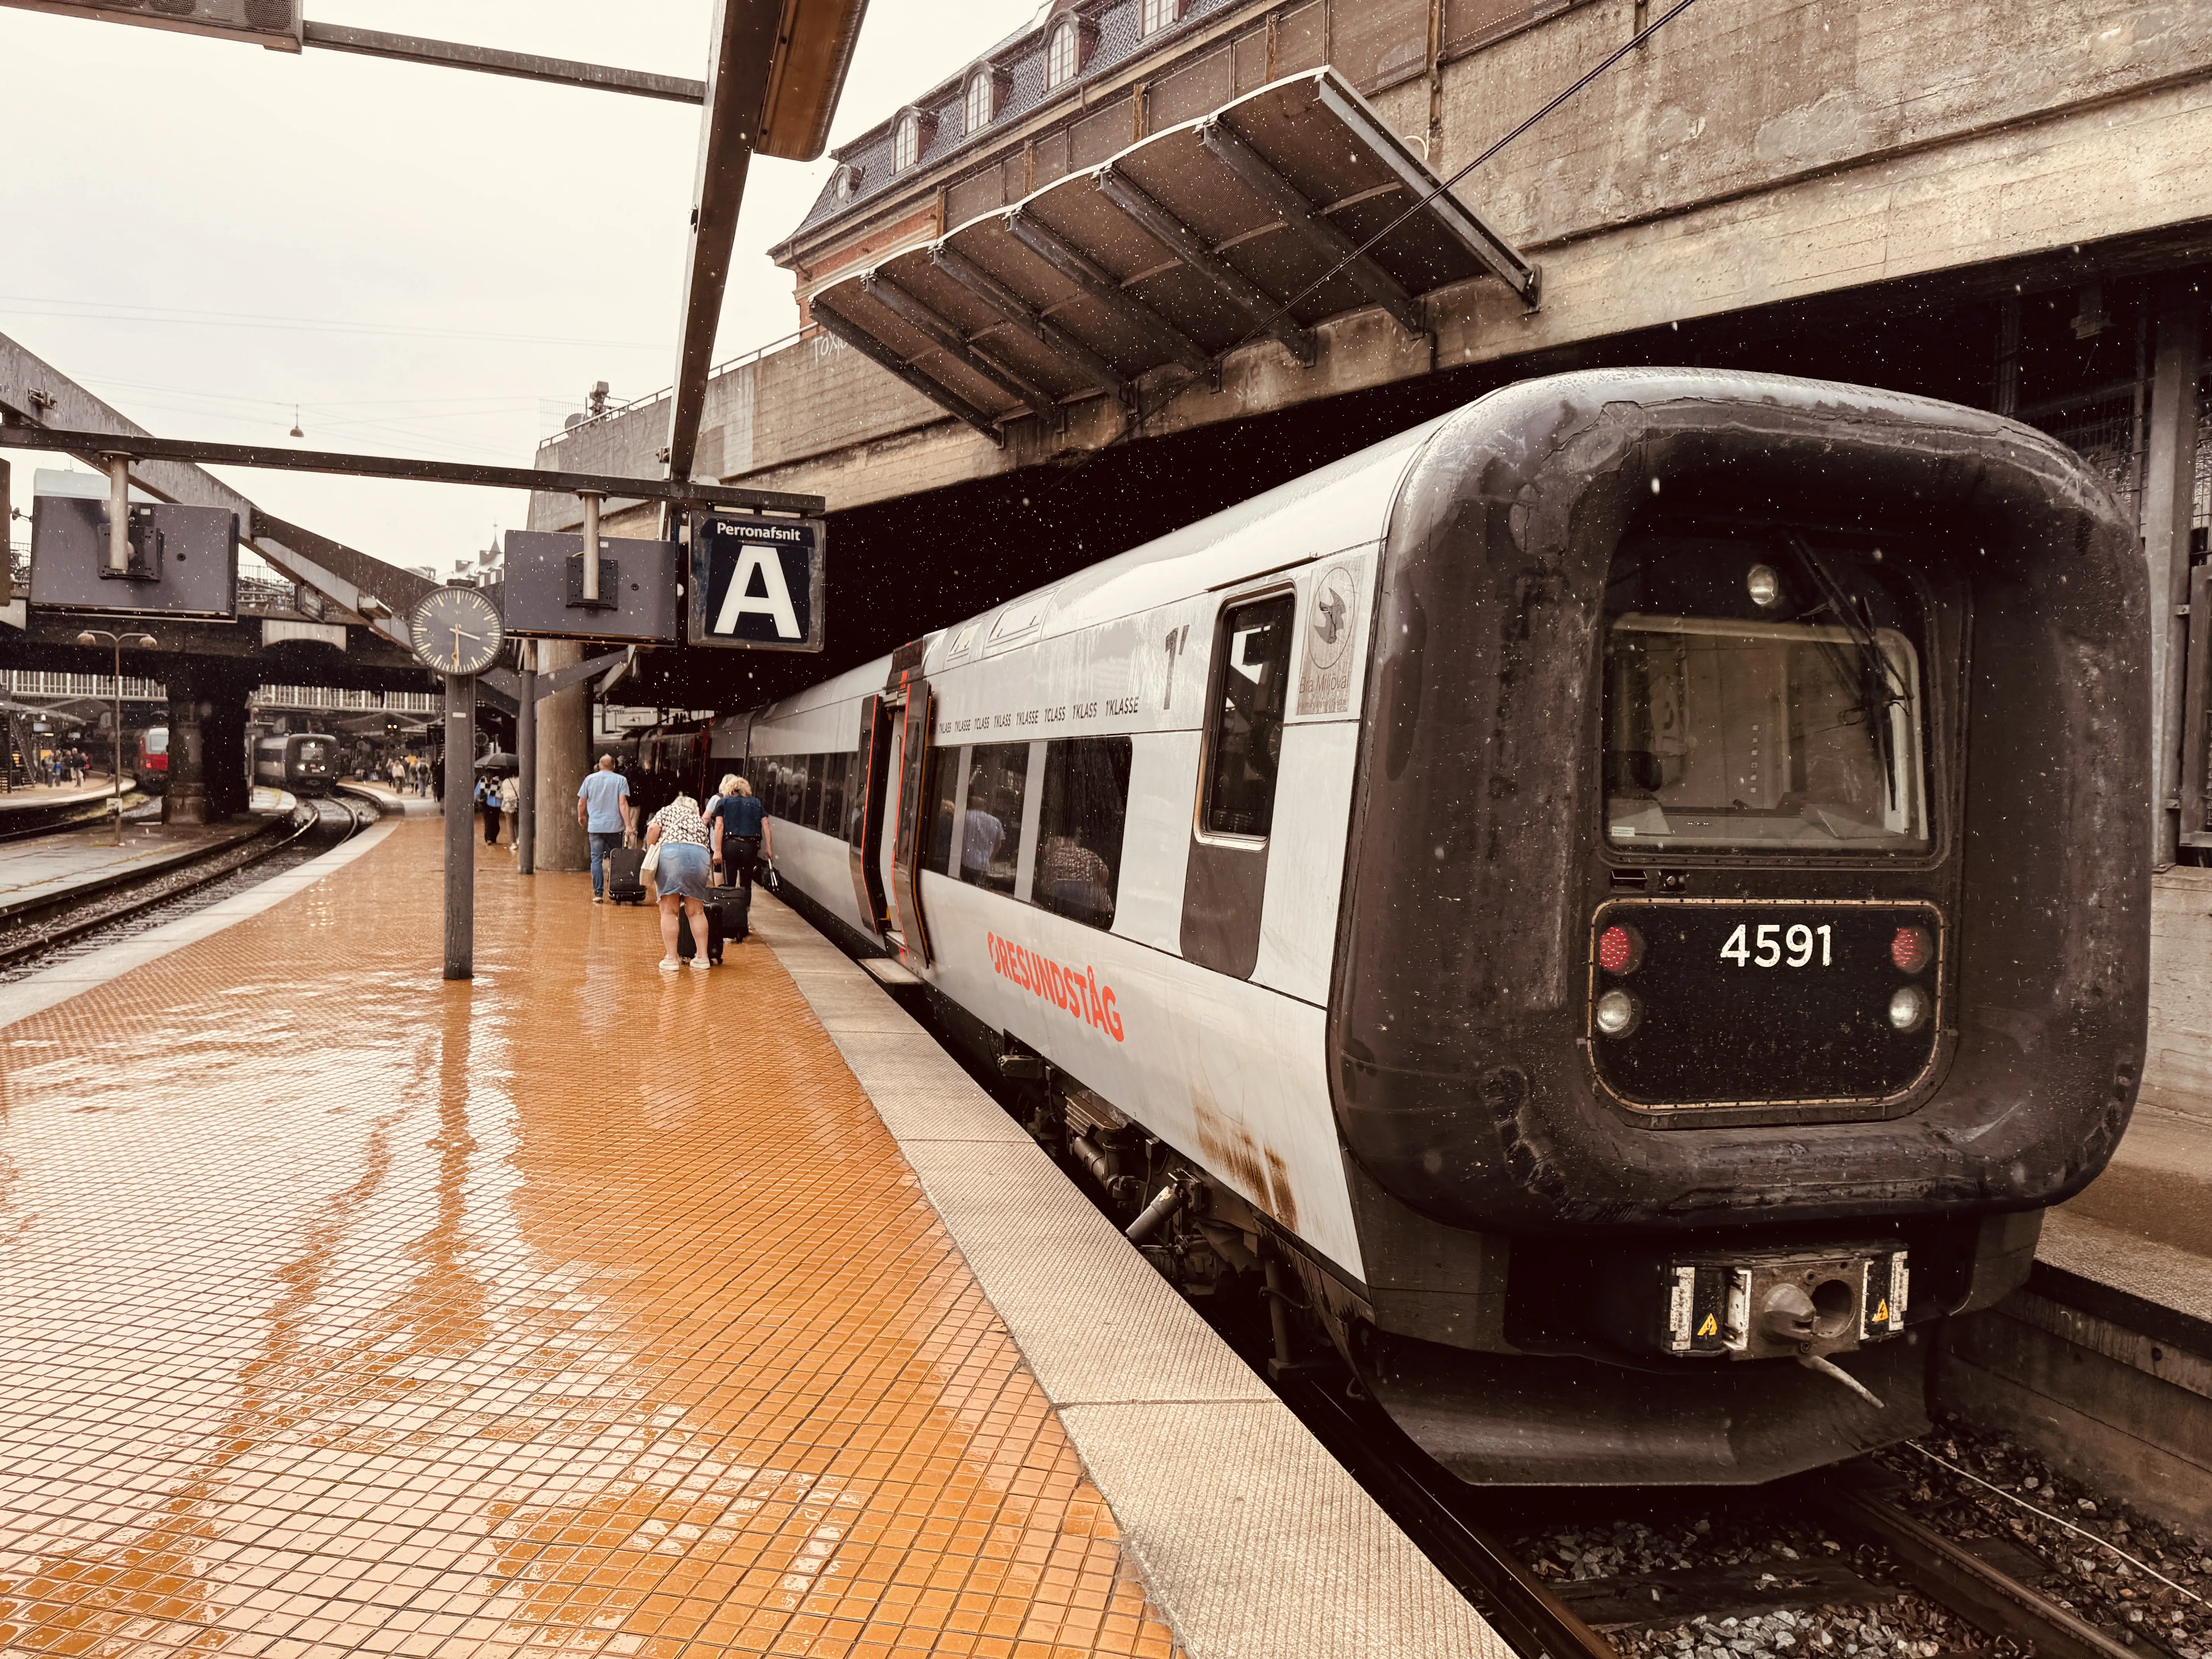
1174 252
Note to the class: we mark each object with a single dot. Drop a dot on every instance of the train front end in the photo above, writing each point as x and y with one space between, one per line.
1745 933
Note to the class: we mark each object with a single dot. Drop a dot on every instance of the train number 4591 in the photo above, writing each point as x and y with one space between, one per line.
1771 945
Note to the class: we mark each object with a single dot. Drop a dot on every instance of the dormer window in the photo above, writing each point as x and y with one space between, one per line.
1062 55
848 182
905 142
1159 14
982 100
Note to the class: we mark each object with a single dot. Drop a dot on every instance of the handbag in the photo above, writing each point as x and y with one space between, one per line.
652 859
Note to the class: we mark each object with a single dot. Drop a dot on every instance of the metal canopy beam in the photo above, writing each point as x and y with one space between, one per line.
1189 247
1078 267
488 60
1518 273
883 357
1306 221
1031 322
744 40
133 447
947 339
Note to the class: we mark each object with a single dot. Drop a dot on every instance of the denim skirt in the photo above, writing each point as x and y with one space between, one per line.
682 871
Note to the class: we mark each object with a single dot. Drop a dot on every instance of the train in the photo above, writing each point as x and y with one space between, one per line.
1616 909
150 762
305 762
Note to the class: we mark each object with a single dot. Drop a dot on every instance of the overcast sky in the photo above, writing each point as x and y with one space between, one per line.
423 262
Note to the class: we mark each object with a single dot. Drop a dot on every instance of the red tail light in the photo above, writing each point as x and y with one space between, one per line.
1912 949
1619 949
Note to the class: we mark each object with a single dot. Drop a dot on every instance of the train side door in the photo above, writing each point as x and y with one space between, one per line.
1225 880
911 848
870 784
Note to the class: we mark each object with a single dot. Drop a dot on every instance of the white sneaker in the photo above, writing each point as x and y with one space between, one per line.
670 964
700 964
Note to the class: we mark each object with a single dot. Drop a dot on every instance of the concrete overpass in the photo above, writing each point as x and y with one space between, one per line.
2004 206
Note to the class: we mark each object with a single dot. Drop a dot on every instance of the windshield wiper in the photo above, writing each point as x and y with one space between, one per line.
1880 687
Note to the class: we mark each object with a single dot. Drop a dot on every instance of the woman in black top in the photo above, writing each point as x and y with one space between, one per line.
741 835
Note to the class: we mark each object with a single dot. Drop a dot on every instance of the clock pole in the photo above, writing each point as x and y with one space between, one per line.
461 822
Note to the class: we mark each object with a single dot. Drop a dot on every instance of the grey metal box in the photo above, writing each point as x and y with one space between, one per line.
756 583
184 559
638 607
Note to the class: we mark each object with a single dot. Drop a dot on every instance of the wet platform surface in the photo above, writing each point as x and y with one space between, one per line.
575 1310
46 797
40 868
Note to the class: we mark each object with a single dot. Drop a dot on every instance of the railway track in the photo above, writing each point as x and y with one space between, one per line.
1544 1621
41 927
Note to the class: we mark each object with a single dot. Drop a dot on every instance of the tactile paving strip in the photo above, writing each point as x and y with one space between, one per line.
578 1310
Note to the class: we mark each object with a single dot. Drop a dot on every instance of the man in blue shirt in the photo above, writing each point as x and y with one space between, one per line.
603 808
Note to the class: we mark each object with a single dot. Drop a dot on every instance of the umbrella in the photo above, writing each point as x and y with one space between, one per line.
499 761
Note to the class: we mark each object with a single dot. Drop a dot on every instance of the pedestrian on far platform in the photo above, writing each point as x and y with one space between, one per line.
488 804
510 803
603 808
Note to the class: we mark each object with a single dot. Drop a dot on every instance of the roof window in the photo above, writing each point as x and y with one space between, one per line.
905 142
1061 57
982 106
1159 14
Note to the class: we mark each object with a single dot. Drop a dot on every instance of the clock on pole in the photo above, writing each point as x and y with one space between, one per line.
457 631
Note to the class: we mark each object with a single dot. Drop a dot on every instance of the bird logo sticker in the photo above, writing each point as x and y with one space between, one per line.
1331 624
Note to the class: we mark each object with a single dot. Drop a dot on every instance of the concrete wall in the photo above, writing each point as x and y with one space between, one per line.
2178 1063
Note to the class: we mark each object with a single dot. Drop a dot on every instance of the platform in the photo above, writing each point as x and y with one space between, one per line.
579 1308
40 869
47 798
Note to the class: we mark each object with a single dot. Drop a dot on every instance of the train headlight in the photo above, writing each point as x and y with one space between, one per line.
1618 1014
1619 949
1908 1008
1911 948
1765 583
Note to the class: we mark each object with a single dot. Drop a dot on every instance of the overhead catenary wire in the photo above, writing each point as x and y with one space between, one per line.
1605 64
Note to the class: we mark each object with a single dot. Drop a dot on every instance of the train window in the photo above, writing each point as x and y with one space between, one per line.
1086 802
991 835
1252 684
1761 696
810 809
779 787
834 768
944 799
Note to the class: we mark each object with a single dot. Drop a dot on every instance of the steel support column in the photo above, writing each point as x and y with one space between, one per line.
460 827
2169 491
525 766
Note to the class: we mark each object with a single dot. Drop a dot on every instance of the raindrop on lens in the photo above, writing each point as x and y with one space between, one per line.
1618 1013
1908 1008
1765 582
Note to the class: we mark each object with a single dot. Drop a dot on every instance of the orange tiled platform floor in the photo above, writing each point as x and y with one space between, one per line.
576 1310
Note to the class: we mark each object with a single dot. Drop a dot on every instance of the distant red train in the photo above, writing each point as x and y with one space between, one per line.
150 760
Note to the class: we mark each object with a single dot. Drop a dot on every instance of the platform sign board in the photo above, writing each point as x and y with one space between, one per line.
756 582
544 591
275 24
183 562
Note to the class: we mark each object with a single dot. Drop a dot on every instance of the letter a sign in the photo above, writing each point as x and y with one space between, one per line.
755 582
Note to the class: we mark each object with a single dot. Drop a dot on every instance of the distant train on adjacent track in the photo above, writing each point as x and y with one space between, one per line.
1623 904
307 763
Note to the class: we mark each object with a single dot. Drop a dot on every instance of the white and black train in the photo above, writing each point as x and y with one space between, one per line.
303 762
1627 901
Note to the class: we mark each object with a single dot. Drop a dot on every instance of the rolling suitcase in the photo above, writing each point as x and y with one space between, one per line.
626 875
717 935
736 904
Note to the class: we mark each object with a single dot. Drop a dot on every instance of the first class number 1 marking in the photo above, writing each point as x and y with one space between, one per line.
1763 948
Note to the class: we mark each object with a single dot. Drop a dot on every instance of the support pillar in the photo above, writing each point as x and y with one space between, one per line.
186 801
525 827
460 826
2169 485
564 745
226 765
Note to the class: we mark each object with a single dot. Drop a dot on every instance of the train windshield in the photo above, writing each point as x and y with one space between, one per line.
1766 702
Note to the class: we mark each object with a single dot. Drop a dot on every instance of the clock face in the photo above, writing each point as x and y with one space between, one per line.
456 630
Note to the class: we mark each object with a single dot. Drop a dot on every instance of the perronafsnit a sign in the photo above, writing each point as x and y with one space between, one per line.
756 583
